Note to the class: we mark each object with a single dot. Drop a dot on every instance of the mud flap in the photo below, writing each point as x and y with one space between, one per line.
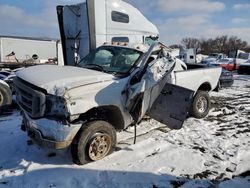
171 106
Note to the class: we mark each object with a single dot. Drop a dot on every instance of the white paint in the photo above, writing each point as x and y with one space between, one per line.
60 59
194 78
56 80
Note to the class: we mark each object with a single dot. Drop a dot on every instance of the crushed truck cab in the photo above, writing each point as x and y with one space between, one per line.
113 87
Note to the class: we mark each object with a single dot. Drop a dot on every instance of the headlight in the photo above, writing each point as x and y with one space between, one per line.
55 106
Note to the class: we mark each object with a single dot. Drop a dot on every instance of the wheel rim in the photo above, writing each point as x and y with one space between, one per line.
99 146
202 104
1 99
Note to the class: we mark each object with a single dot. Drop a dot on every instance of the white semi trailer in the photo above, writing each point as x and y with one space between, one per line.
88 25
19 49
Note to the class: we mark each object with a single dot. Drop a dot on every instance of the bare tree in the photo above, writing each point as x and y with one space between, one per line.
234 43
247 49
175 46
223 44
191 43
220 43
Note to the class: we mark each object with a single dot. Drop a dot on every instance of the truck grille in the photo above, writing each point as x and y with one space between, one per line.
30 99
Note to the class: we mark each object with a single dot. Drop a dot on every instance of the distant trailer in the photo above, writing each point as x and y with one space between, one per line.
12 66
19 49
188 55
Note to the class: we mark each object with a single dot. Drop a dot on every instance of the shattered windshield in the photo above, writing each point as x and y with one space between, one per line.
111 59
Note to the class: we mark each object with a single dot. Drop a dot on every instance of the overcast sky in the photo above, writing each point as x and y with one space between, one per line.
175 19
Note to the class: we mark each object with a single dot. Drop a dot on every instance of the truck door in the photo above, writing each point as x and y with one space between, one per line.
77 29
154 95
171 106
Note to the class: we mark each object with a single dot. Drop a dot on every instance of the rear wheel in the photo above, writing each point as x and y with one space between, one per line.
95 141
201 105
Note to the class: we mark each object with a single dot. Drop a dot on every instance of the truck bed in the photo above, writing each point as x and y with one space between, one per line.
197 75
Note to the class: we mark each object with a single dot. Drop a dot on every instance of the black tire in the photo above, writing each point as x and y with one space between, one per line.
84 147
201 105
218 87
5 95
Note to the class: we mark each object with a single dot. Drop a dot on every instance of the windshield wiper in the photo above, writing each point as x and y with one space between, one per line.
94 66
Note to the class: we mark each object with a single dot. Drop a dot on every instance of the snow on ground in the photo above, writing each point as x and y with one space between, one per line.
213 152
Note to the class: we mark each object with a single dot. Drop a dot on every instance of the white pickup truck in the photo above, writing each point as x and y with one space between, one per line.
111 88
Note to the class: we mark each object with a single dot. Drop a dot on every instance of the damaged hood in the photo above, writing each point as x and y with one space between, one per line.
56 80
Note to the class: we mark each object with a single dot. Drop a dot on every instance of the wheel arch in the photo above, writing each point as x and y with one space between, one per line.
111 114
205 87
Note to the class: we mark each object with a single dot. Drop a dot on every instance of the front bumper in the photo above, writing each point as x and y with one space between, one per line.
50 133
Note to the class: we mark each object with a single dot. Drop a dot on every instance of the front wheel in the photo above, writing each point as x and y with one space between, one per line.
5 95
95 141
201 105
